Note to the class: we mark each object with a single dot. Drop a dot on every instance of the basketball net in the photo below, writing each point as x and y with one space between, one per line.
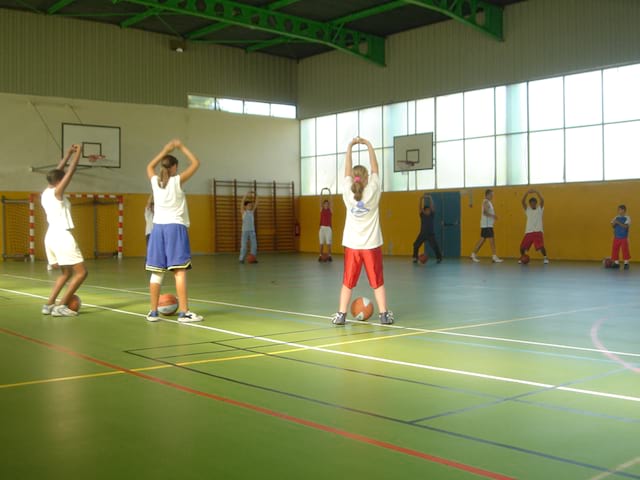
94 158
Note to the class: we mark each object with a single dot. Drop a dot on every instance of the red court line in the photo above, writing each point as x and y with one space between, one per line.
266 411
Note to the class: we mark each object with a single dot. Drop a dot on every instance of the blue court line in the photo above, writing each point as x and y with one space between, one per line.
392 419
517 397
497 399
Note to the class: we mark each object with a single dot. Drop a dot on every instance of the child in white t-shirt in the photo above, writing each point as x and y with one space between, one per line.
62 249
169 249
533 231
362 237
487 219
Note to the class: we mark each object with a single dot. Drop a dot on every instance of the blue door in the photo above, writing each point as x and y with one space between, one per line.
447 223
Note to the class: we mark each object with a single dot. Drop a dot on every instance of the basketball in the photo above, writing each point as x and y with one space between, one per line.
423 258
252 259
361 309
524 259
167 304
75 303
607 262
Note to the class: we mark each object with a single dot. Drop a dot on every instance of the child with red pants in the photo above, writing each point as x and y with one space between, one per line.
362 237
620 226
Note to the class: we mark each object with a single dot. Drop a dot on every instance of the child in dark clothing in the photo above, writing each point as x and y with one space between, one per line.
427 229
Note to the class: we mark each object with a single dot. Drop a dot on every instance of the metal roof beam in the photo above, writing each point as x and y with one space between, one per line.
483 16
366 46
139 17
221 26
59 5
369 12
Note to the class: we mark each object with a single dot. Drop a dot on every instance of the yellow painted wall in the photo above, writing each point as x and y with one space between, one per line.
201 232
576 222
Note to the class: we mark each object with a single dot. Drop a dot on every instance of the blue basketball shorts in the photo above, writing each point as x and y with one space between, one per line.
168 248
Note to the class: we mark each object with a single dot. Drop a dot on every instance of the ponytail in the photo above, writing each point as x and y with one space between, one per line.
360 176
166 163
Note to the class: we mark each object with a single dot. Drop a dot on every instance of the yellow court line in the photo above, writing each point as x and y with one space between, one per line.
196 362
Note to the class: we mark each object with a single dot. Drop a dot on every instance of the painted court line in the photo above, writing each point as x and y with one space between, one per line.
618 469
438 331
605 351
273 413
423 366
302 347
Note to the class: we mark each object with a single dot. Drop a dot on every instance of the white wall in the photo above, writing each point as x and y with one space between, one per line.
542 38
243 147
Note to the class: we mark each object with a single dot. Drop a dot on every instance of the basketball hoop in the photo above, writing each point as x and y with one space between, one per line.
95 158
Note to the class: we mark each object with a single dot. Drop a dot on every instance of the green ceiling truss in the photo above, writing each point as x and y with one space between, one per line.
478 14
366 46
221 26
338 22
60 4
482 15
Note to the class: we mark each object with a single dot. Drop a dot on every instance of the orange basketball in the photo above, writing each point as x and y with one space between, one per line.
252 259
423 258
361 309
167 304
75 303
524 259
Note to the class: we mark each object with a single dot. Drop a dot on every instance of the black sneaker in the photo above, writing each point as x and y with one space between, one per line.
415 260
439 260
320 259
386 318
330 259
339 318
626 266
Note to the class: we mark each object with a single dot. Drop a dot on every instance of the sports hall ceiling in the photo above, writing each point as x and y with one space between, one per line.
293 29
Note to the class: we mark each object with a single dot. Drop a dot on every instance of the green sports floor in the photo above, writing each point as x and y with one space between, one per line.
491 371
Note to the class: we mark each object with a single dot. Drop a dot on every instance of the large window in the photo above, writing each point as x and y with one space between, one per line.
573 128
248 107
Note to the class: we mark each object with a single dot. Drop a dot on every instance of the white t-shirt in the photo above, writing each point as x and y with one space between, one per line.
58 211
485 221
534 219
170 203
362 225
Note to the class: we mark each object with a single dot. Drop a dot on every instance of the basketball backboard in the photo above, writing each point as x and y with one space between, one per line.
97 141
413 152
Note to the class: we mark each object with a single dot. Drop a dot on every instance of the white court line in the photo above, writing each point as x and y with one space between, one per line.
619 468
439 331
380 359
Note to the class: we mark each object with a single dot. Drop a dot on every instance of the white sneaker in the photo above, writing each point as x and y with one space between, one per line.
189 317
153 316
546 260
496 259
63 311
47 309
474 258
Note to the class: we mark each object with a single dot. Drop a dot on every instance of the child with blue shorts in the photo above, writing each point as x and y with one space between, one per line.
169 248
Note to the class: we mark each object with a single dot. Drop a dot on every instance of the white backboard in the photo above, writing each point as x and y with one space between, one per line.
95 140
413 152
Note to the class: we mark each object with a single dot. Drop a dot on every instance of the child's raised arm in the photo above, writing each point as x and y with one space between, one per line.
151 166
194 162
373 160
65 159
62 185
348 164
